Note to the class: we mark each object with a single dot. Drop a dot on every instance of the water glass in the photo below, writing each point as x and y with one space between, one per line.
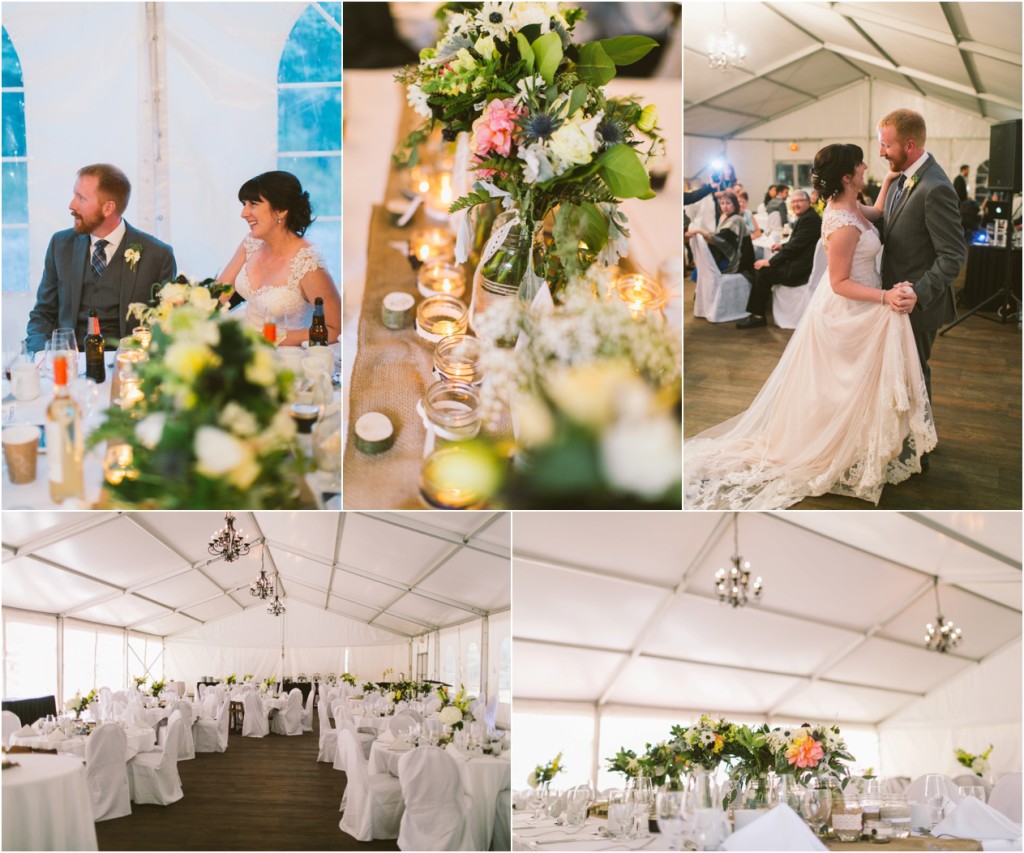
976 791
63 342
816 808
577 801
670 812
620 814
934 795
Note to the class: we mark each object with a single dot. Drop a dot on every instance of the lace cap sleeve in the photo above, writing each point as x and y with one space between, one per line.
308 259
251 245
836 219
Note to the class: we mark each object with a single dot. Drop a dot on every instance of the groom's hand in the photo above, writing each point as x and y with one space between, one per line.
905 299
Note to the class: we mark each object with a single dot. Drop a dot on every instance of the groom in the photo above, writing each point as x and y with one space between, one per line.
101 262
921 230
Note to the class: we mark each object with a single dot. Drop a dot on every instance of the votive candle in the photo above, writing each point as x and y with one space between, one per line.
641 293
432 244
435 278
440 316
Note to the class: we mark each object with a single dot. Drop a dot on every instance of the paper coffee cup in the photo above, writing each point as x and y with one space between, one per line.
25 381
21 450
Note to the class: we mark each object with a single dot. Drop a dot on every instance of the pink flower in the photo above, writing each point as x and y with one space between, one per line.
492 132
805 752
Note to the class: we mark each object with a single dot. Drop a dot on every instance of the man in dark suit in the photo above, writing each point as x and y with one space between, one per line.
101 262
960 183
921 230
791 264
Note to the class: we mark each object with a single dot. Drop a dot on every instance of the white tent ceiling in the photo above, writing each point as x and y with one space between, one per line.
402 575
966 55
619 609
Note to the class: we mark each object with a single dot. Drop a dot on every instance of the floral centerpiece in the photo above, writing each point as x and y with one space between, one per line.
977 764
703 745
213 426
369 687
543 773
139 681
204 295
269 682
454 711
156 687
810 751
752 761
79 703
349 679
543 135
231 679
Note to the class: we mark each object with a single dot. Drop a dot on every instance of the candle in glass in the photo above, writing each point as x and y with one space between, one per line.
419 179
450 479
435 278
144 335
453 409
432 244
457 357
440 316
118 464
440 197
641 293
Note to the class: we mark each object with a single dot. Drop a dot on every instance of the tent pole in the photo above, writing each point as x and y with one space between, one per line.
484 656
595 755
60 662
436 672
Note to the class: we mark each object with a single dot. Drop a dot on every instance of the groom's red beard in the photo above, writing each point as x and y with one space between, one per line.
85 225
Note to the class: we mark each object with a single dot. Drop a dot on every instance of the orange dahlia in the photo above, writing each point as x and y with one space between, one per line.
805 752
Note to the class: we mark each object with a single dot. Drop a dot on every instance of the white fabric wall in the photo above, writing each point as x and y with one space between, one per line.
979 707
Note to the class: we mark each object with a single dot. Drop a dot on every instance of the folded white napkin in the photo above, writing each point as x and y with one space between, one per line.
387 736
56 736
26 731
974 819
401 742
781 828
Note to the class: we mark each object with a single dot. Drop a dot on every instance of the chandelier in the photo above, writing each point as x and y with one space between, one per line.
228 542
276 607
724 52
943 636
733 585
262 587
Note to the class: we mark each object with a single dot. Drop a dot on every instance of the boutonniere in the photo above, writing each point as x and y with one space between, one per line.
132 255
911 183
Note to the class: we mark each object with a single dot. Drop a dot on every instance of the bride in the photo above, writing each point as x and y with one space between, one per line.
276 271
845 410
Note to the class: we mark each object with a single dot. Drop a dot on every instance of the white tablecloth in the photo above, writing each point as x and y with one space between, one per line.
140 739
46 805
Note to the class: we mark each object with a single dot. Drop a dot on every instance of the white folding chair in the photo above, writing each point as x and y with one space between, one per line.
106 772
374 805
288 721
307 712
436 804
789 303
254 722
328 736
153 776
719 297
1006 796
212 735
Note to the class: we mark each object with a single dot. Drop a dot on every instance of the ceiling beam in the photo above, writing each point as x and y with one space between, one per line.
957 26
337 556
771 68
451 536
578 568
52 536
963 539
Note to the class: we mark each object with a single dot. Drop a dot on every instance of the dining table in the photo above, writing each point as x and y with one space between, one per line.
139 739
46 804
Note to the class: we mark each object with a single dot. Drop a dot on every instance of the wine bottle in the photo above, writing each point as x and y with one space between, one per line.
94 366
318 328
64 439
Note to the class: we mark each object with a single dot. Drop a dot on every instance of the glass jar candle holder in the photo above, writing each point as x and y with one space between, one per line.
896 811
641 293
144 335
448 479
453 410
441 278
440 316
418 179
439 196
119 464
457 357
432 244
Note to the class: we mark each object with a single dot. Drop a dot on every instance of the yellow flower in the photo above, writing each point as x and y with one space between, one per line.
486 48
188 360
261 371
648 118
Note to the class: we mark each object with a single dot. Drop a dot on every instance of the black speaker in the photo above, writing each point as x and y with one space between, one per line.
1004 155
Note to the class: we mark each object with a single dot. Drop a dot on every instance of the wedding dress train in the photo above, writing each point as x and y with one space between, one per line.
845 410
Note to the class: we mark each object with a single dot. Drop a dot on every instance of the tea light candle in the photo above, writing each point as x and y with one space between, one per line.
419 180
457 357
144 335
453 410
641 293
119 464
432 244
441 278
440 197
447 480
440 316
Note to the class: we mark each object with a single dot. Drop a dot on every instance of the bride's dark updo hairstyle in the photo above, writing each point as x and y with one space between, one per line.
832 164
282 191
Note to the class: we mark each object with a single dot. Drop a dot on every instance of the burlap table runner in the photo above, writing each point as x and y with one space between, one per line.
914 842
392 370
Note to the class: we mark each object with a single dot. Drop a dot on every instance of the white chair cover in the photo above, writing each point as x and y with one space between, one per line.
702 214
254 723
719 297
212 735
364 739
106 772
773 226
374 801
789 303
288 721
153 776
915 790
188 744
400 723
1006 796
491 711
163 731
431 705
435 803
503 719
307 712
11 725
501 838
328 736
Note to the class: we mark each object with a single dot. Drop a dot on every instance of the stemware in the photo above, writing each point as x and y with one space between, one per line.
934 794
670 811
620 814
64 343
816 808
976 791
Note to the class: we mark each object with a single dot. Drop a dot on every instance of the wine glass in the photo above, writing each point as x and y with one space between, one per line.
934 794
620 814
670 810
536 803
86 393
65 343
816 808
976 791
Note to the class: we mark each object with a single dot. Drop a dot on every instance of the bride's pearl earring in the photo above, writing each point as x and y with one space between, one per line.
279 220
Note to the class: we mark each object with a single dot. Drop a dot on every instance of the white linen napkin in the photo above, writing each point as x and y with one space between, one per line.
401 742
26 731
974 819
386 737
56 736
780 828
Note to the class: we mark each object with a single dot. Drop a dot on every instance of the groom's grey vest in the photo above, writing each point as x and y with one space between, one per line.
104 294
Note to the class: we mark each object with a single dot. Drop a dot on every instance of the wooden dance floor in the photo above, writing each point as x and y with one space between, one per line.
976 382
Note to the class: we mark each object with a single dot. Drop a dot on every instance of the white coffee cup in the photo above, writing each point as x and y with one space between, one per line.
25 381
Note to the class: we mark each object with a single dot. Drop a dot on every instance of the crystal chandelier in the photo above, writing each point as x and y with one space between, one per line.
733 585
276 607
724 52
228 542
943 636
262 587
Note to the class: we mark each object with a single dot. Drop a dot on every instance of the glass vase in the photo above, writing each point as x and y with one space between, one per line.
704 789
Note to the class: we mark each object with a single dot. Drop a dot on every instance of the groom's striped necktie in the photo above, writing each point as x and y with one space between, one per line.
99 257
899 191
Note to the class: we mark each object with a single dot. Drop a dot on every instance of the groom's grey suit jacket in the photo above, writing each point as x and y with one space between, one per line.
60 292
924 244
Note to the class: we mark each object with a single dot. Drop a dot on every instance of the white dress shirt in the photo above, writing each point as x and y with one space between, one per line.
114 239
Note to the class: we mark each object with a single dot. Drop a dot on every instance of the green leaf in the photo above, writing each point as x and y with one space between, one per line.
526 52
577 98
548 53
625 50
576 222
624 174
595 67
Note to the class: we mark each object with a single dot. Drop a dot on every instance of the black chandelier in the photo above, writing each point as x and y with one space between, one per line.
262 587
276 607
228 542
733 585
943 636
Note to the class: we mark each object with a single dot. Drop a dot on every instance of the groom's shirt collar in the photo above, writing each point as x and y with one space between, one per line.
916 165
113 239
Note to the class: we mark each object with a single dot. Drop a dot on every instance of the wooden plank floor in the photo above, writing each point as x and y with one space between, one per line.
976 381
262 794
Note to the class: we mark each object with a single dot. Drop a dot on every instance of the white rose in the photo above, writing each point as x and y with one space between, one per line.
532 780
450 715
203 299
175 294
260 371
575 142
219 453
238 419
150 429
643 457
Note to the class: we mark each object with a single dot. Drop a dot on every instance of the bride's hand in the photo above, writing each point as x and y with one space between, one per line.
890 177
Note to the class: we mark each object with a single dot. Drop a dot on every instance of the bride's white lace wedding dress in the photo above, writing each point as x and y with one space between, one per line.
285 300
845 410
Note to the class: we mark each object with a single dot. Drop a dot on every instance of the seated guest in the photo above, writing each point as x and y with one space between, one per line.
779 203
817 202
727 243
748 218
769 196
791 264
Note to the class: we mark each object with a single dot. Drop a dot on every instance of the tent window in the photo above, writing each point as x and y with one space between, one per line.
448 667
15 173
309 120
505 671
473 668
29 655
793 174
421 666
